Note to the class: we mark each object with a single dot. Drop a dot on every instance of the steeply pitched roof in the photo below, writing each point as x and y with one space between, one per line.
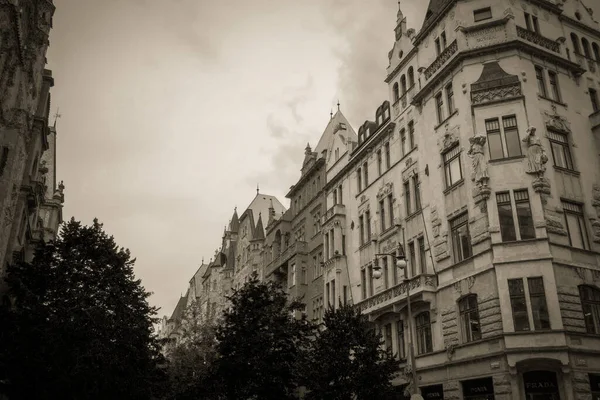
180 308
260 206
234 225
259 230
434 8
201 270
338 124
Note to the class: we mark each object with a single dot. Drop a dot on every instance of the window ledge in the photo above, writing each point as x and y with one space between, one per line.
362 246
414 214
454 187
567 171
506 160
560 103
446 119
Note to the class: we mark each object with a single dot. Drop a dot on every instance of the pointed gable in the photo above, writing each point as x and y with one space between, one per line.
338 125
259 231
234 225
260 205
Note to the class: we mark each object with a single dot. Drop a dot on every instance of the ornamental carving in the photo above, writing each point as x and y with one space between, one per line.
450 138
556 122
493 94
536 155
385 190
486 37
554 222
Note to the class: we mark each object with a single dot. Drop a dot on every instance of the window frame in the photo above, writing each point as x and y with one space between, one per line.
423 333
541 81
450 98
388 161
411 134
456 223
514 297
580 215
504 132
559 140
400 340
593 93
403 141
407 198
390 198
382 221
554 86
448 158
439 106
422 254
535 314
592 327
379 162
468 313
477 17
366 173
417 193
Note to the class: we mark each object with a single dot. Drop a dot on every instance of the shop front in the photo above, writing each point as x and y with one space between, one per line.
541 385
433 392
478 389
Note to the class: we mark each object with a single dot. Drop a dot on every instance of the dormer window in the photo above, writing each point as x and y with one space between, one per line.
368 133
342 126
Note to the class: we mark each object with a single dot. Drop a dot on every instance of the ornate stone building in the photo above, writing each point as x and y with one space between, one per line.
30 198
486 169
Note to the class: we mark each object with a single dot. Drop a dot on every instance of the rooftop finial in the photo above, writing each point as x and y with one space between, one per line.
56 116
330 114
338 104
400 16
257 189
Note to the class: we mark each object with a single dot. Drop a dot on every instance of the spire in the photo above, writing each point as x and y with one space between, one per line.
259 230
400 24
235 222
271 213
330 114
399 16
307 151
257 189
56 116
338 103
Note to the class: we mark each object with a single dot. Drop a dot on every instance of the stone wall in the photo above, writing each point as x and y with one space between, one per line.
570 308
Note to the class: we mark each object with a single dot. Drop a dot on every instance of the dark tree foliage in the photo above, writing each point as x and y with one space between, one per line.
191 359
260 343
80 326
346 360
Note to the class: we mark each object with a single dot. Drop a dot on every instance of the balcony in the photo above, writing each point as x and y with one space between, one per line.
283 257
441 59
337 209
389 297
595 121
538 39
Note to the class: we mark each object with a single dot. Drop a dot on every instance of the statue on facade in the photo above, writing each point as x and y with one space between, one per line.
480 170
536 155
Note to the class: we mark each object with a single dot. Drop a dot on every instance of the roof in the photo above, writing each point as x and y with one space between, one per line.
201 270
434 9
261 204
180 308
332 128
234 225
259 230
493 76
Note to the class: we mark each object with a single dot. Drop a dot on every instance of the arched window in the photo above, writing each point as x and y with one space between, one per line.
586 48
403 84
575 41
469 318
590 302
596 51
423 330
411 77
396 92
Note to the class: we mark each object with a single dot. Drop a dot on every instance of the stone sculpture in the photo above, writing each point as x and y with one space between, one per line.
480 170
536 155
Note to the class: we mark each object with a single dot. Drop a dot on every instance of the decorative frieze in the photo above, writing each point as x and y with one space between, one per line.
494 84
385 190
581 386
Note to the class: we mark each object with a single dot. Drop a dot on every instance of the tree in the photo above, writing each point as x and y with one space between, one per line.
260 343
346 360
80 326
192 358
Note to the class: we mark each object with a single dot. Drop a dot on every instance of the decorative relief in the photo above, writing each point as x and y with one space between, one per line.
441 59
479 228
486 37
458 287
509 13
440 247
464 88
451 15
450 138
524 6
479 175
384 190
595 223
435 222
506 92
580 273
556 122
536 155
470 282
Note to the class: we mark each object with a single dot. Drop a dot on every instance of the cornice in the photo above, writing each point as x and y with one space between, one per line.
547 5
319 162
581 26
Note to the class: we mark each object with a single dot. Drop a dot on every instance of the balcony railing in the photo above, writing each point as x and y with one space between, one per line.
538 39
285 255
441 59
397 293
337 209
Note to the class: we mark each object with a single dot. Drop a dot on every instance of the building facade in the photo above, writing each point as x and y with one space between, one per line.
484 173
30 198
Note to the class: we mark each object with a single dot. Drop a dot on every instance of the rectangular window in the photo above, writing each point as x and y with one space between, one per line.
528 22
518 304
394 272
452 167
413 259
382 214
379 162
423 330
334 197
345 291
388 337
340 198
482 14
554 88
422 257
461 239
343 244
539 308
511 135
534 22
385 271
438 48
401 341
370 279
450 98
391 209
561 152
443 40
359 179
366 172
575 223
524 216
327 294
368 225
361 229
3 159
503 142
594 99
411 134
417 189
590 303
363 283
439 105
388 163
407 199
469 318
403 141
541 82
333 298
505 217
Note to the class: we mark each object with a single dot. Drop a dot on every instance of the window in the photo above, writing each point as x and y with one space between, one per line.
396 92
366 172
379 162
363 283
503 141
482 14
575 43
293 275
334 197
340 198
327 294
531 22
575 224
586 48
524 217
391 209
452 168
417 189
387 155
443 40
388 337
439 105
590 303
596 50
303 279
361 229
370 278
450 98
382 214
3 159
561 153
407 199
423 328
411 77
541 83
413 259
411 134
368 223
505 217
403 141
385 268
518 304
343 244
469 318
461 240
359 179
333 298
345 294
401 342
539 307
594 99
422 258
438 48
554 88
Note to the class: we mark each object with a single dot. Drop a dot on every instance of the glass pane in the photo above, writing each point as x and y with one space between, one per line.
574 231
557 152
455 170
539 308
495 144
507 224
513 144
465 242
526 228
588 316
474 325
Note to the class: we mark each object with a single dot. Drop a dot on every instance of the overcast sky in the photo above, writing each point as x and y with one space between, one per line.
173 111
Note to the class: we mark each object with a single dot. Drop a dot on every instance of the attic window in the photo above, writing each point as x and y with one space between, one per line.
482 14
342 125
400 54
